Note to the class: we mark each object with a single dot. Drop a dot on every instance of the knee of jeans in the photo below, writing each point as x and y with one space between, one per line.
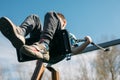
36 20
34 16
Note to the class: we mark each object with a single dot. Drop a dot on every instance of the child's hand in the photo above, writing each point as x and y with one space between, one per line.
88 39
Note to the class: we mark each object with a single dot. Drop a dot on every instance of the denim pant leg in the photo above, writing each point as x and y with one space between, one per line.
32 26
51 26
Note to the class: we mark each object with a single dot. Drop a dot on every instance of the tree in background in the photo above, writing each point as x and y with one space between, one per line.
108 64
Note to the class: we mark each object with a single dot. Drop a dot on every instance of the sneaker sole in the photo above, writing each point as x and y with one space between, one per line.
9 31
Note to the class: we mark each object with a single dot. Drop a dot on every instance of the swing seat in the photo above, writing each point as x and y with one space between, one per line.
59 47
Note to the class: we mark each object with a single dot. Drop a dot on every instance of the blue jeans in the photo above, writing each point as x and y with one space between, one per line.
33 26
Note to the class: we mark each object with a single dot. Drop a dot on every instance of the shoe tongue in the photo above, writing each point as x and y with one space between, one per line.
20 31
35 46
39 46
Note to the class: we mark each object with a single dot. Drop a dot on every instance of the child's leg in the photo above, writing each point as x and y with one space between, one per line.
17 34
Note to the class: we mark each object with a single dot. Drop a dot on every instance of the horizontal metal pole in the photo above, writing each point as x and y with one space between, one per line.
104 45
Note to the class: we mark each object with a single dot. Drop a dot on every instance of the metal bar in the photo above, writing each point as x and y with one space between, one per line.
104 49
39 70
104 45
54 73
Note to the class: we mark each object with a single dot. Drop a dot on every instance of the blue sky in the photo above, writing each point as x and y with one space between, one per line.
99 19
